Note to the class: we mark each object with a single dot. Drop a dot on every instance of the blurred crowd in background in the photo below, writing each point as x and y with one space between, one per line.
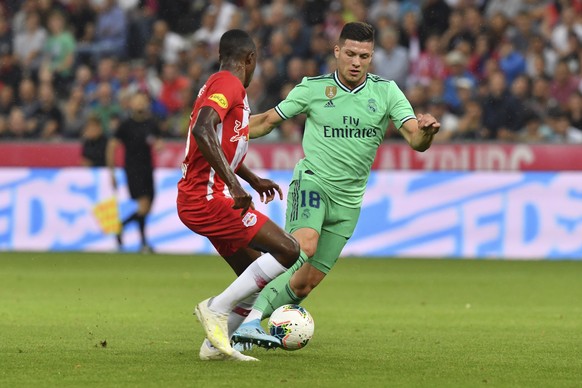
489 70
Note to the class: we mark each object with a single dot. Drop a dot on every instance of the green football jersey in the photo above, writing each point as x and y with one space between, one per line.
344 129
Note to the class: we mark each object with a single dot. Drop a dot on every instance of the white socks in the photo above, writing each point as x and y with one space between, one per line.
254 314
252 280
239 312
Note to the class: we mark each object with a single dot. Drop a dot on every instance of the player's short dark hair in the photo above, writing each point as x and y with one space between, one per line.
235 44
358 31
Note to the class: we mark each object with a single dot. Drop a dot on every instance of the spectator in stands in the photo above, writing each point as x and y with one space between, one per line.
46 7
7 100
279 50
225 12
522 31
384 9
141 19
110 34
82 19
574 110
430 65
84 81
470 123
319 49
172 43
208 31
27 97
106 73
295 70
10 72
457 67
29 44
93 143
568 24
540 57
176 125
564 83
19 20
410 35
474 24
123 75
480 56
435 17
4 134
417 96
173 86
59 52
497 28
500 110
18 127
6 37
465 92
449 122
573 56
298 36
390 60
145 80
455 31
509 8
534 130
107 108
435 89
153 56
47 119
75 112
541 100
511 62
562 130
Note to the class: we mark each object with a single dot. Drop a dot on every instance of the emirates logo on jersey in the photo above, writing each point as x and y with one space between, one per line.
249 219
238 136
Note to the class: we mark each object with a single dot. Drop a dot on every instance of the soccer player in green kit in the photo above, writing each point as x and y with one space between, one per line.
348 113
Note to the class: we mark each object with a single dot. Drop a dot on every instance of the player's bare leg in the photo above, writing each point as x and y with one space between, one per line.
305 280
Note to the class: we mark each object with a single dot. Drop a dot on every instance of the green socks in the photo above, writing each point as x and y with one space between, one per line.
278 292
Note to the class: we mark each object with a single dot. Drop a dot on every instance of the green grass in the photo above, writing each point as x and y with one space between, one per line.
126 320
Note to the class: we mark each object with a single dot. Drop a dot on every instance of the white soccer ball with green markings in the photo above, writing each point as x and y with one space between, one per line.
293 325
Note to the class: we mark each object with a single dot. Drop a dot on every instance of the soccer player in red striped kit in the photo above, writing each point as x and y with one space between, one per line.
212 202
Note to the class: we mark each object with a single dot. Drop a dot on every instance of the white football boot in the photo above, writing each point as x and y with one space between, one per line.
210 353
215 326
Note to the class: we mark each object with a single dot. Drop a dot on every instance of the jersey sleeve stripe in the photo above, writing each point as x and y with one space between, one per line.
280 113
407 118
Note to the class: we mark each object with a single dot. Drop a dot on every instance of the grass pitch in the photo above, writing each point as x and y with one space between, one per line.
126 320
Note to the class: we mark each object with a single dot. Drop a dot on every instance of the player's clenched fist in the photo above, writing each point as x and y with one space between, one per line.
427 123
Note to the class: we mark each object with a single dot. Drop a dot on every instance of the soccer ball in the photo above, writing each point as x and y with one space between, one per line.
293 325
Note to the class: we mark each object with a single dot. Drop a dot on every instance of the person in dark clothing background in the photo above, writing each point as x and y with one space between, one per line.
139 134
94 144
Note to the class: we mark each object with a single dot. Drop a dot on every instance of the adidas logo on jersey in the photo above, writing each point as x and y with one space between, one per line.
329 104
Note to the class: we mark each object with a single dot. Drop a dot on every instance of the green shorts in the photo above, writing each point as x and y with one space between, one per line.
308 206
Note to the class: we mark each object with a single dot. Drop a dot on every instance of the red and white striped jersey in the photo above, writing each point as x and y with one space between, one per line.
226 94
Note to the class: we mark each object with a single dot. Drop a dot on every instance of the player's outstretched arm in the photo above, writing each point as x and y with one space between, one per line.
265 187
420 132
263 123
204 134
